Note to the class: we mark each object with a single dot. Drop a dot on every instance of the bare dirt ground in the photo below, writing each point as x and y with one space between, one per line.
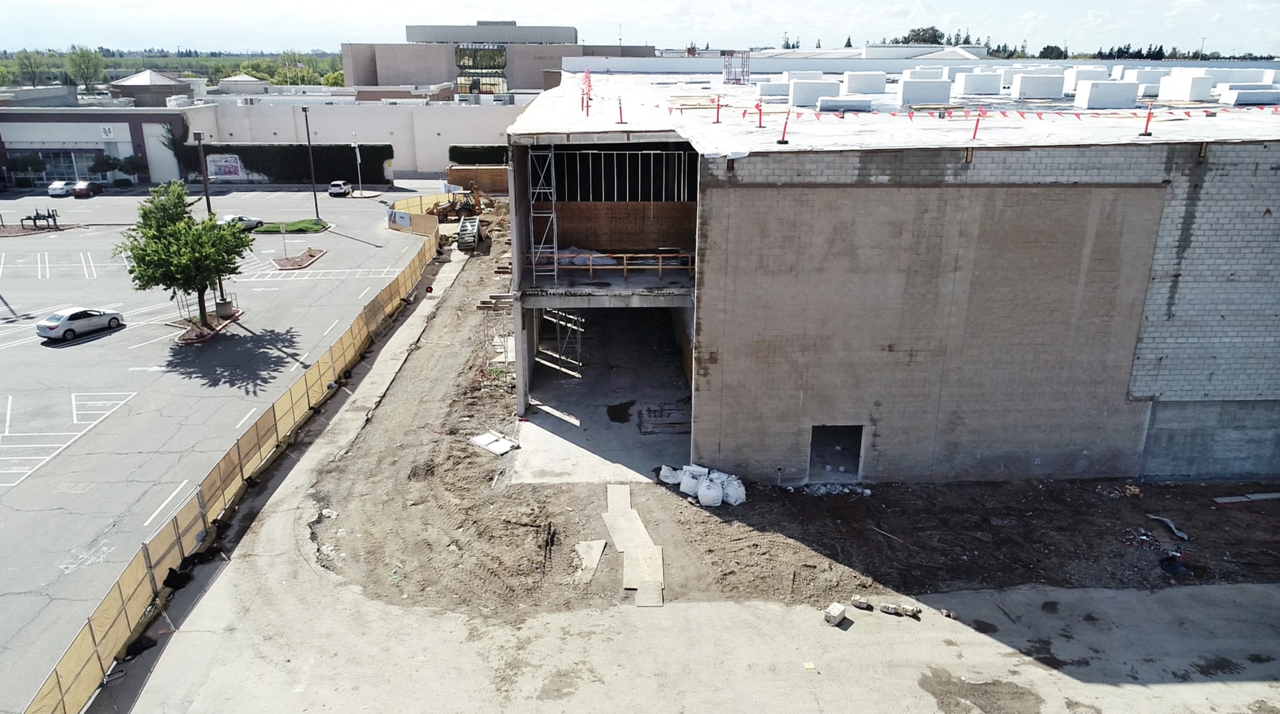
425 518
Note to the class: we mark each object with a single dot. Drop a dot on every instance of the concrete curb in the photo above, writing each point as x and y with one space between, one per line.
235 317
316 256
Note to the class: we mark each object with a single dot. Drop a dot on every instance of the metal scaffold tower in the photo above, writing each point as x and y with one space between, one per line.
565 327
543 233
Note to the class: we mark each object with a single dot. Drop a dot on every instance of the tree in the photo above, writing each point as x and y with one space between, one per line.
333 79
32 67
258 69
104 164
818 46
24 164
85 66
848 41
6 77
921 36
132 166
1052 52
170 249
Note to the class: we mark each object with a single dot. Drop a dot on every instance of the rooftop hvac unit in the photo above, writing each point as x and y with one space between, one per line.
471 99
247 101
506 100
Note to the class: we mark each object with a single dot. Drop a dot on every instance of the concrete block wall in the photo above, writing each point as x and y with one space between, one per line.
1211 325
1210 256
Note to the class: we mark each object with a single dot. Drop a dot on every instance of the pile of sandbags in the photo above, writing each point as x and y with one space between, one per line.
709 486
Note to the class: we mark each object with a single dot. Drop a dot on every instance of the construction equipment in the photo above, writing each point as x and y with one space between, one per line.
468 232
461 204
482 197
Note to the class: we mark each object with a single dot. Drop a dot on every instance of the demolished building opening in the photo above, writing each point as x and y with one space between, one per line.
835 454
611 384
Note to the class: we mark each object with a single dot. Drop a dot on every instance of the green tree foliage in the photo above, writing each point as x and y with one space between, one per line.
1052 52
32 67
333 79
85 66
259 68
24 164
132 166
6 77
104 164
920 36
848 41
170 249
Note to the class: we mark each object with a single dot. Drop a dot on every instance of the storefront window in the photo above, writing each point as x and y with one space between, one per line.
66 166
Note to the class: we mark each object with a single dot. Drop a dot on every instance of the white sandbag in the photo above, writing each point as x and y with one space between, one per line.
735 494
688 482
696 470
669 475
710 493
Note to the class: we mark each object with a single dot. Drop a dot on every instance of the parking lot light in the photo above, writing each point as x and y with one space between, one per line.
312 161
204 169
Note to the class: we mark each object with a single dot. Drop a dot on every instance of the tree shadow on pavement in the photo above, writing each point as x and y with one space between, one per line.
239 358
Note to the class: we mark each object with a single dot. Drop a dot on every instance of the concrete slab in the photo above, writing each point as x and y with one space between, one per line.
618 498
589 552
649 594
626 530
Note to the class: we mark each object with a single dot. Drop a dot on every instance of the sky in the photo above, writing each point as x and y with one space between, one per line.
1226 26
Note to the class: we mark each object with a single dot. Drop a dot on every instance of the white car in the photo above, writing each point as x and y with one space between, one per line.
246 223
340 188
61 188
73 321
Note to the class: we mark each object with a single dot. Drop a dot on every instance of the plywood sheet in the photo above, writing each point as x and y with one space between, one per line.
641 564
626 530
619 498
589 552
649 594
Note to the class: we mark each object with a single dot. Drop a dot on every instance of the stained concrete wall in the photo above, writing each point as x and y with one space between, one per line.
978 332
1213 438
422 64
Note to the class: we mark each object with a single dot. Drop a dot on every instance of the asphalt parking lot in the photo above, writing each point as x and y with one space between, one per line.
102 437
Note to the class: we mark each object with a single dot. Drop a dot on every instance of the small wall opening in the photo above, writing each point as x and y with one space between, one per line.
835 454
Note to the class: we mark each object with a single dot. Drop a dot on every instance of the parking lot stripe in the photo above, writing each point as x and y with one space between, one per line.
166 502
162 337
59 445
1 264
335 324
299 362
246 417
145 309
366 290
8 412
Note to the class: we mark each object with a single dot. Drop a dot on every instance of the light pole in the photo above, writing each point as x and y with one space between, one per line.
204 169
311 160
1202 39
359 178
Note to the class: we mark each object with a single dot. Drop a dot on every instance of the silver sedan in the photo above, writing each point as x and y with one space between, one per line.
69 323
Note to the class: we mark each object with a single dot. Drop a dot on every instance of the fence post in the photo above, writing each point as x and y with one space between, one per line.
151 571
102 668
177 536
204 517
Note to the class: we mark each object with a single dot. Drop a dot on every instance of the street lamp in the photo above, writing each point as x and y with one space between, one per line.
359 178
311 160
204 169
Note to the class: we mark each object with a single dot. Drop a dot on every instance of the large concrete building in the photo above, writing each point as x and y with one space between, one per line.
490 57
902 294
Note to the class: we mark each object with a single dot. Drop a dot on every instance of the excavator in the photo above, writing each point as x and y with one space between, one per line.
462 204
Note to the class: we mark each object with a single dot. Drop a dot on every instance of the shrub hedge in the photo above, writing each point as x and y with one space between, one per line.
478 155
287 163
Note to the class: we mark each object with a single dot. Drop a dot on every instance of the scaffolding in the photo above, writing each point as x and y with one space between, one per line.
544 239
737 66
564 329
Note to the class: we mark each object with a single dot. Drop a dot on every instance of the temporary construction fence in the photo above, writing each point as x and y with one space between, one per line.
133 600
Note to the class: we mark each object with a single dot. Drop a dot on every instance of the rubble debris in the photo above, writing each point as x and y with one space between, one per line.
1174 565
1169 523
328 513
1141 538
910 611
884 533
834 489
834 614
948 614
494 442
862 603
889 608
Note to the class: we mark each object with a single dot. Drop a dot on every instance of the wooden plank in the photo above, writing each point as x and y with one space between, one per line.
641 564
626 530
649 594
618 498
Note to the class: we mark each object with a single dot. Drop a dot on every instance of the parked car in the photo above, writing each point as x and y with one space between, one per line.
60 188
77 321
246 223
340 188
86 189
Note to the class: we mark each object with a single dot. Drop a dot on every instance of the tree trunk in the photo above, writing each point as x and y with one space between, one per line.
204 314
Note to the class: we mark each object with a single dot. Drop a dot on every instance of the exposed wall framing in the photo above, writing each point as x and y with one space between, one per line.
616 176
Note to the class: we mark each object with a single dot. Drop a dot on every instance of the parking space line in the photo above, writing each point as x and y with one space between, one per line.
140 310
366 290
59 440
246 417
298 363
8 412
44 268
335 324
86 264
166 502
162 337
1 264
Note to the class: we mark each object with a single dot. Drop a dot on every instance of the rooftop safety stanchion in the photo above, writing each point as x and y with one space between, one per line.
1146 130
620 111
785 122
